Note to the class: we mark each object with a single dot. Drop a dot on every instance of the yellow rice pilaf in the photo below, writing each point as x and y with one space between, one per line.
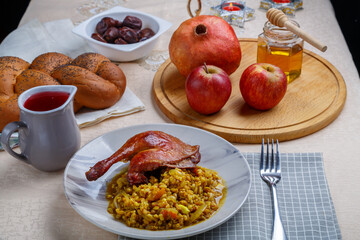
176 199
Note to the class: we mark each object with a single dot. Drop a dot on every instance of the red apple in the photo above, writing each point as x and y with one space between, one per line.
263 85
207 88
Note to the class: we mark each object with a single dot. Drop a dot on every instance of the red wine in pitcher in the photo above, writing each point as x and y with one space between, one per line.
45 101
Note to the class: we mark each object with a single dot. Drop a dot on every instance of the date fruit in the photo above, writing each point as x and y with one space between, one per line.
120 41
110 30
98 37
146 33
128 34
132 22
111 34
106 23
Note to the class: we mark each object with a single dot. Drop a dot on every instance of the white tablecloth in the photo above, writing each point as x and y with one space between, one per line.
33 204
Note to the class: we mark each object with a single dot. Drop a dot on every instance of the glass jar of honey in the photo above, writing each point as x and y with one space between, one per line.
282 48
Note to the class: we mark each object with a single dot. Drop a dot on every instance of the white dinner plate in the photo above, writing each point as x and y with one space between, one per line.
88 198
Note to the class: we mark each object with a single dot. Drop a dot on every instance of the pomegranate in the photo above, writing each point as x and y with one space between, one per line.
207 39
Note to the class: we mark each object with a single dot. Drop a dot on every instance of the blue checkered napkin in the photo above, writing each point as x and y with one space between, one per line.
305 202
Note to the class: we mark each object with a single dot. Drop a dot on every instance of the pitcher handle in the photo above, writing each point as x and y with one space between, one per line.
197 11
8 130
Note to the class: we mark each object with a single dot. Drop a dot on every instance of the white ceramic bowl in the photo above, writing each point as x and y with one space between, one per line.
127 52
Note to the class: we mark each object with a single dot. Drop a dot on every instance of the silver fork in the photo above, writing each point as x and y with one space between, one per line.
270 172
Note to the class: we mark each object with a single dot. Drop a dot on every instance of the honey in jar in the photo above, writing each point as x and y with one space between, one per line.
282 48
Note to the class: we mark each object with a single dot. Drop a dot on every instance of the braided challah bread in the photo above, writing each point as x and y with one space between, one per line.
100 82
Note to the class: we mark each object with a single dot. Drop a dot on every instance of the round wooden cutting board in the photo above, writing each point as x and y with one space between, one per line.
311 102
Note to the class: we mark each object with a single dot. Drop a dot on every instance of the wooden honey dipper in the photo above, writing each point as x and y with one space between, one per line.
278 18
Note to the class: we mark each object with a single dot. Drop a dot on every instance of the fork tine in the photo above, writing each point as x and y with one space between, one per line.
267 162
278 168
262 156
272 168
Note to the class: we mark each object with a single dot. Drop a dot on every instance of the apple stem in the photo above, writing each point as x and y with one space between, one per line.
205 68
268 69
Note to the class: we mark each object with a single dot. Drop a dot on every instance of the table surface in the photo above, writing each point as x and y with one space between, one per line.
33 204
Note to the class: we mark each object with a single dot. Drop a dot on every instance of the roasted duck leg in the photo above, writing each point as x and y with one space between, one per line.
152 159
148 151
